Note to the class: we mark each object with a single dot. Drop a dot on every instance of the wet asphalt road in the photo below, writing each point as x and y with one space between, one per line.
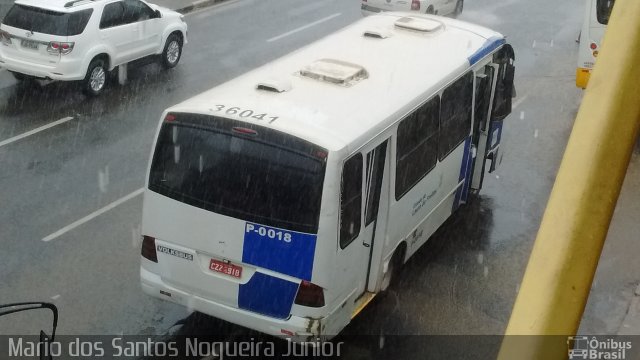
464 281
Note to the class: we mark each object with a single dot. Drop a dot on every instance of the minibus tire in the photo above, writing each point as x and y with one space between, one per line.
20 76
395 264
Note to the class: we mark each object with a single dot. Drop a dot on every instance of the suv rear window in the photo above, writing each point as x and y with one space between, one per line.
47 21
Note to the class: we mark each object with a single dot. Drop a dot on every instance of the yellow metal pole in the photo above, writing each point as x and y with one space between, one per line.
558 278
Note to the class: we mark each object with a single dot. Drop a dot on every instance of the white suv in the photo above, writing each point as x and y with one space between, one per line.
436 7
85 39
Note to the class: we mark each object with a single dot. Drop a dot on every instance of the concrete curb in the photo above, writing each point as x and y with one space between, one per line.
198 5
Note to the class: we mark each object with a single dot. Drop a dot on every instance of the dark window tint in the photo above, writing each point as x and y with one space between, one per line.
455 115
350 200
483 98
47 21
112 15
78 22
603 10
504 85
240 170
417 146
136 11
375 175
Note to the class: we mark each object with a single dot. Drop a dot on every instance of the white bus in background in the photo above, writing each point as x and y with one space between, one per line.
595 22
286 199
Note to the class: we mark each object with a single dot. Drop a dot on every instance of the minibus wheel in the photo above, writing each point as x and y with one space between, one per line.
395 264
430 10
20 76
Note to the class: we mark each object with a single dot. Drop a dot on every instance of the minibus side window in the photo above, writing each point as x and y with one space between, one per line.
417 146
350 200
455 115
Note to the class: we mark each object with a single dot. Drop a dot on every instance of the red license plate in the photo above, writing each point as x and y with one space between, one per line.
227 269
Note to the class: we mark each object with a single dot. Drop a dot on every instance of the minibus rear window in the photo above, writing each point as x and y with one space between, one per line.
240 170
46 21
603 10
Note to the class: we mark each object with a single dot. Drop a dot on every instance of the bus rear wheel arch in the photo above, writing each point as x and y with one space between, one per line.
394 267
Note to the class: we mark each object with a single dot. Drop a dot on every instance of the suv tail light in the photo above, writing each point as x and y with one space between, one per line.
63 48
149 248
415 5
310 294
5 37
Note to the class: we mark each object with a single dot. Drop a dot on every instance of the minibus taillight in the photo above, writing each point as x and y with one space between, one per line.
310 294
415 5
244 131
149 248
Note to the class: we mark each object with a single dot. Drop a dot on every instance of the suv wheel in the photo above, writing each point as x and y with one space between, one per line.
96 78
172 51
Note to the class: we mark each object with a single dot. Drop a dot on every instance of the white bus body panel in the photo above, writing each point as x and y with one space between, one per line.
344 120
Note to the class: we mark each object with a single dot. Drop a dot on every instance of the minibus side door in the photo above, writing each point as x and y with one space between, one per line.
363 202
494 90
376 210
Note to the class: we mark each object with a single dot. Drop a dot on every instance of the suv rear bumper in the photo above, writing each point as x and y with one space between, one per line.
305 329
66 69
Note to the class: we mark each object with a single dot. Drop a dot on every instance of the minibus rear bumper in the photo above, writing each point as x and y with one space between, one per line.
295 328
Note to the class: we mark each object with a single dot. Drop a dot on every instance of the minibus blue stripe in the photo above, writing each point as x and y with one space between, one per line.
286 252
267 295
468 173
487 48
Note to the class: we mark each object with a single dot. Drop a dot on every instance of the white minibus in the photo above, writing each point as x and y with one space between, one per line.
595 22
284 200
